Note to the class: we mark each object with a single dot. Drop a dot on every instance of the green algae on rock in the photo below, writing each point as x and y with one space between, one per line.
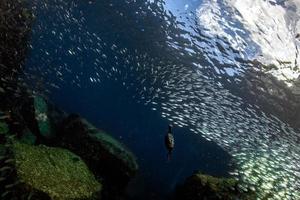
200 186
54 172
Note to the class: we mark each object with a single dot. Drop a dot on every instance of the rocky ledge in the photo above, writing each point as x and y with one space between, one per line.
205 187
40 172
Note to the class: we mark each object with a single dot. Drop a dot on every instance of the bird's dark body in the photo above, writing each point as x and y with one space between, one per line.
169 142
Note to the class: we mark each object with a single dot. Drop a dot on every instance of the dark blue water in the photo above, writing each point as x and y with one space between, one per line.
133 67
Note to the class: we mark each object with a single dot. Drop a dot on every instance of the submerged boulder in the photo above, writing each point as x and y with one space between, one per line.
41 172
106 157
200 186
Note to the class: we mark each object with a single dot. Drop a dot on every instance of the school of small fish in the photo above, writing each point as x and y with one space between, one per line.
185 81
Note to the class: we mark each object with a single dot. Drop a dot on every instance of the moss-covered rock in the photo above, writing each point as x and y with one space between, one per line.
107 157
200 186
50 173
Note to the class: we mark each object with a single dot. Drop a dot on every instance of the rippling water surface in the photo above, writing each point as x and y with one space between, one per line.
132 67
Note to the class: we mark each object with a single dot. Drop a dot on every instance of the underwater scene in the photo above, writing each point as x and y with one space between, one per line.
150 99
